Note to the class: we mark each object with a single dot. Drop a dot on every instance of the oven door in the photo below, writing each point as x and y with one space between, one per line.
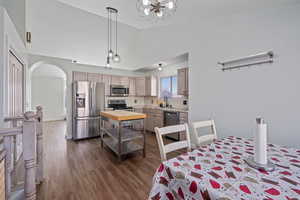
119 90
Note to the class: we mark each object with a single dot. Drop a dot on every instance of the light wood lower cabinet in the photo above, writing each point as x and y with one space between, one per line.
183 119
154 118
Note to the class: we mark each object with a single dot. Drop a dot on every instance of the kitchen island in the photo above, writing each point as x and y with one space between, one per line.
122 131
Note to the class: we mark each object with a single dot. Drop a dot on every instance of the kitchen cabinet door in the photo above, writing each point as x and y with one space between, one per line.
182 82
116 80
151 86
132 86
106 79
124 80
140 86
94 77
183 119
80 76
186 81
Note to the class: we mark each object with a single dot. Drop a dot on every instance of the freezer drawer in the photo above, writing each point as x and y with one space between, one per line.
86 128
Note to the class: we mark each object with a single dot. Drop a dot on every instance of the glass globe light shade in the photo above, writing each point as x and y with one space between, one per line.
146 2
170 5
110 54
116 58
159 13
147 11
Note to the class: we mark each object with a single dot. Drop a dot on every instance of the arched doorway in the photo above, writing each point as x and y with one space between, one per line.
48 89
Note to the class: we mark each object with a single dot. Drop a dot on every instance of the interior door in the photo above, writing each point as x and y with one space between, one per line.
15 86
16 92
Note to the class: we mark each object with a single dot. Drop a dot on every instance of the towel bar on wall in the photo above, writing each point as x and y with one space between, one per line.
255 57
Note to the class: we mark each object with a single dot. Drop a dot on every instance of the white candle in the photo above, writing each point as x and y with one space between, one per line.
260 146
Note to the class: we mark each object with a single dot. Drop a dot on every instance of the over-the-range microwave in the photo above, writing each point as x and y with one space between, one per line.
119 91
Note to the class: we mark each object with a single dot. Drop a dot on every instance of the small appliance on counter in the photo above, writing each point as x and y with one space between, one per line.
88 101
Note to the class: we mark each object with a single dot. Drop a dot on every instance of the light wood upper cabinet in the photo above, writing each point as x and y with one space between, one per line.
140 86
116 80
95 77
80 76
151 86
124 80
183 81
132 86
106 79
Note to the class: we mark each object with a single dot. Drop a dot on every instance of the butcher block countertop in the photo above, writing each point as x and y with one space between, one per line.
122 115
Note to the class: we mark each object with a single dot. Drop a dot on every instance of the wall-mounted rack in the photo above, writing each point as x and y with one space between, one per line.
266 56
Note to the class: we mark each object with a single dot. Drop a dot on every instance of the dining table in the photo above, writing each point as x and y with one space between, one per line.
218 171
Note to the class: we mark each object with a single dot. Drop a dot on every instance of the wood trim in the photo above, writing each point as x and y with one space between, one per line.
2 179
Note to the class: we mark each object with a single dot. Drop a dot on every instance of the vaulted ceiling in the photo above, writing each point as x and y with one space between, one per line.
187 9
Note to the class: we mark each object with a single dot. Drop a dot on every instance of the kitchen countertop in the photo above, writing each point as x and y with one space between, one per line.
121 115
163 109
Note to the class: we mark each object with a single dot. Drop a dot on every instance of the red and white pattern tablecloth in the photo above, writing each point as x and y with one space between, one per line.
218 171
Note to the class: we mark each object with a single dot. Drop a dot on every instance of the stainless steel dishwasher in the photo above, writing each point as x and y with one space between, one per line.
172 118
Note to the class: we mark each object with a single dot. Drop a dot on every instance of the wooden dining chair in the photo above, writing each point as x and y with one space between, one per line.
164 149
204 139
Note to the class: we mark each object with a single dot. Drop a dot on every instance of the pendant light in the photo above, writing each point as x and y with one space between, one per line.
112 55
159 67
117 57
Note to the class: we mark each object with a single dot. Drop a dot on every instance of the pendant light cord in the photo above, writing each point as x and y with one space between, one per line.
110 24
116 33
108 38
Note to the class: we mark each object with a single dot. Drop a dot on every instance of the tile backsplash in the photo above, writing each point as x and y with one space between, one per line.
177 102
140 101
130 101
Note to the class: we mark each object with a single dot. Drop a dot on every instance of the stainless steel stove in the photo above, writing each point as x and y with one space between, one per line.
119 104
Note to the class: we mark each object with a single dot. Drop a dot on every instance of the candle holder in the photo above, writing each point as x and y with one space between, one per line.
269 167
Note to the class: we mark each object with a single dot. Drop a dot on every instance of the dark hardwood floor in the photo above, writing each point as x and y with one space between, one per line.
84 171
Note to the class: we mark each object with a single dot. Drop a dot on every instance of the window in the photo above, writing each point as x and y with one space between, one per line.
168 86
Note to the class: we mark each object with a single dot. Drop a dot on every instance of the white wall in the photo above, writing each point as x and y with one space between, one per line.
235 98
59 30
9 40
50 93
16 11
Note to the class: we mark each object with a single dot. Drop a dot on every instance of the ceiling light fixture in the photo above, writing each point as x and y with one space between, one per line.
157 9
159 67
111 55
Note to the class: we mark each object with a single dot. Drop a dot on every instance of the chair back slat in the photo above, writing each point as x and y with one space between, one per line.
164 149
175 146
204 139
172 129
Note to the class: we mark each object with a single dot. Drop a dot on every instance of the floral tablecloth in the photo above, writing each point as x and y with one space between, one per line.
218 171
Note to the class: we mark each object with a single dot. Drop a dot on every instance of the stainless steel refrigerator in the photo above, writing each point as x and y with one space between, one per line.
88 102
